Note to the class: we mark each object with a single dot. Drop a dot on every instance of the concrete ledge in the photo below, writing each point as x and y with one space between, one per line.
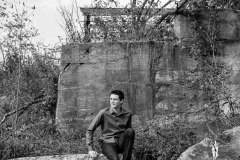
67 157
64 157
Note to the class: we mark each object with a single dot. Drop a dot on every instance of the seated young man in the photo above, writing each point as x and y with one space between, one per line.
117 135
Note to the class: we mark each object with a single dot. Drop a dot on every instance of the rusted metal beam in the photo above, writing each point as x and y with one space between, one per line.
116 11
105 11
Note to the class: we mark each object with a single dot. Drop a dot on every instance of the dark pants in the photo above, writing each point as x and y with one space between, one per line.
123 145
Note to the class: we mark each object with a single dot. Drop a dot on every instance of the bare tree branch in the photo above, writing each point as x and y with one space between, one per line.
182 3
156 12
22 108
141 10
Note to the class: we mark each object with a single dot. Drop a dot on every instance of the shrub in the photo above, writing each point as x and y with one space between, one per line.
155 142
41 140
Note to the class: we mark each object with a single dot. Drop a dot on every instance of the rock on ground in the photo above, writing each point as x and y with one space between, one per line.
225 147
63 157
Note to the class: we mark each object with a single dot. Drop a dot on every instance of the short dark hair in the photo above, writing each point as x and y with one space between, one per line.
119 93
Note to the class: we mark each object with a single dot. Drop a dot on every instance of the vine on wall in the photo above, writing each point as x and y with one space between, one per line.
211 72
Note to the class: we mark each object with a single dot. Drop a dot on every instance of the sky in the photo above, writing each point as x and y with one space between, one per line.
47 19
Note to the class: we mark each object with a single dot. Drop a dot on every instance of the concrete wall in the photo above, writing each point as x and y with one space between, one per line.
228 39
179 102
228 20
90 71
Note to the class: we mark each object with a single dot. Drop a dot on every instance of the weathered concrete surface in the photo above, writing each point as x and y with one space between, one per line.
90 71
229 23
226 147
64 157
172 98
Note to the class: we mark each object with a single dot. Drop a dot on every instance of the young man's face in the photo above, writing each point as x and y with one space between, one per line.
115 102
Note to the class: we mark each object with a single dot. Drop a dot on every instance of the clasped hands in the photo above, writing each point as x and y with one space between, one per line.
92 154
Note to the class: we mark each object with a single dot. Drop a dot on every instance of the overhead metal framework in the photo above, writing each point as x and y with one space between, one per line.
88 12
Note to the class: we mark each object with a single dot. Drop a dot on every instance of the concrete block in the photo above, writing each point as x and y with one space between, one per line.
90 71
64 157
229 24
67 157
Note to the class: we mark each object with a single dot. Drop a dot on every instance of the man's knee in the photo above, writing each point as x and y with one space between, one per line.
115 157
130 132
111 156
